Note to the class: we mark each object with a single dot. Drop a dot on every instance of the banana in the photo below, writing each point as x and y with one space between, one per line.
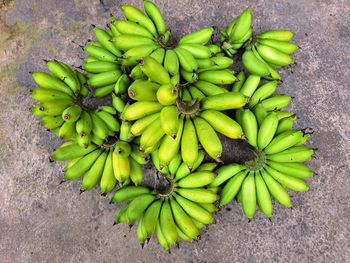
127 42
65 75
186 60
250 85
224 101
125 133
121 167
167 94
71 151
260 113
169 118
100 66
175 162
194 210
222 77
141 109
250 127
99 127
55 107
190 77
100 53
84 124
283 46
267 130
262 93
286 124
82 166
201 37
38 111
43 94
186 96
129 27
254 65
121 216
167 224
198 51
154 13
135 15
283 141
154 70
281 35
226 172
141 232
189 144
136 172
196 179
222 123
294 154
161 239
152 135
158 55
183 169
137 206
169 147
104 39
137 74
103 91
196 93
122 148
277 191
104 78
214 63
72 113
273 73
249 195
242 25
298 170
93 176
171 62
122 84
263 195
208 88
51 122
67 130
214 48
111 122
118 103
232 187
197 195
288 181
150 217
274 56
138 155
108 181
128 193
84 141
136 53
208 138
183 221
141 124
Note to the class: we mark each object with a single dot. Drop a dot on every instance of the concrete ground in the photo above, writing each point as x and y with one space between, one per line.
42 221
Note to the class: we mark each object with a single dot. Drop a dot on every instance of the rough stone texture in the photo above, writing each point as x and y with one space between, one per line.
42 221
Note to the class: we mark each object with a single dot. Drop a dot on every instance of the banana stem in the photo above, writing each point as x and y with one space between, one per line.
188 108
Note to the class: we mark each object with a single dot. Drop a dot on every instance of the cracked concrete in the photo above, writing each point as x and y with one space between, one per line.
41 221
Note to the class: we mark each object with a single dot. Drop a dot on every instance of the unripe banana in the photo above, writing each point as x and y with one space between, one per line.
122 84
262 93
141 124
267 130
224 101
186 59
250 85
128 193
201 37
133 55
137 16
198 51
169 118
286 124
150 217
141 232
55 107
161 239
105 78
171 62
100 53
250 127
127 27
274 56
190 77
152 135
99 127
283 141
222 77
138 155
137 206
276 102
209 88
277 191
72 113
242 25
263 195
283 46
154 70
196 179
232 187
100 66
167 224
226 172
281 35
260 113
189 144
158 55
67 130
141 109
104 39
167 94
293 169
43 94
108 181
121 167
208 138
47 81
71 151
253 64
196 93
52 122
295 154
93 176
109 120
249 195
127 42
222 123
84 141
61 72
154 13
197 195
125 133
183 169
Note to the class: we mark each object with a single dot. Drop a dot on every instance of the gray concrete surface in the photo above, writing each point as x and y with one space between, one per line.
42 221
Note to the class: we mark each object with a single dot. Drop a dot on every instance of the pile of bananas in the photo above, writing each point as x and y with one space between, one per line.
168 103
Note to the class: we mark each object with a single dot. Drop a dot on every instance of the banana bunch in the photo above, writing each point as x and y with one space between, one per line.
277 167
237 33
271 50
106 164
176 211
60 97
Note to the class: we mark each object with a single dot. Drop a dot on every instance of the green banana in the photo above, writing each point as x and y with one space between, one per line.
189 144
